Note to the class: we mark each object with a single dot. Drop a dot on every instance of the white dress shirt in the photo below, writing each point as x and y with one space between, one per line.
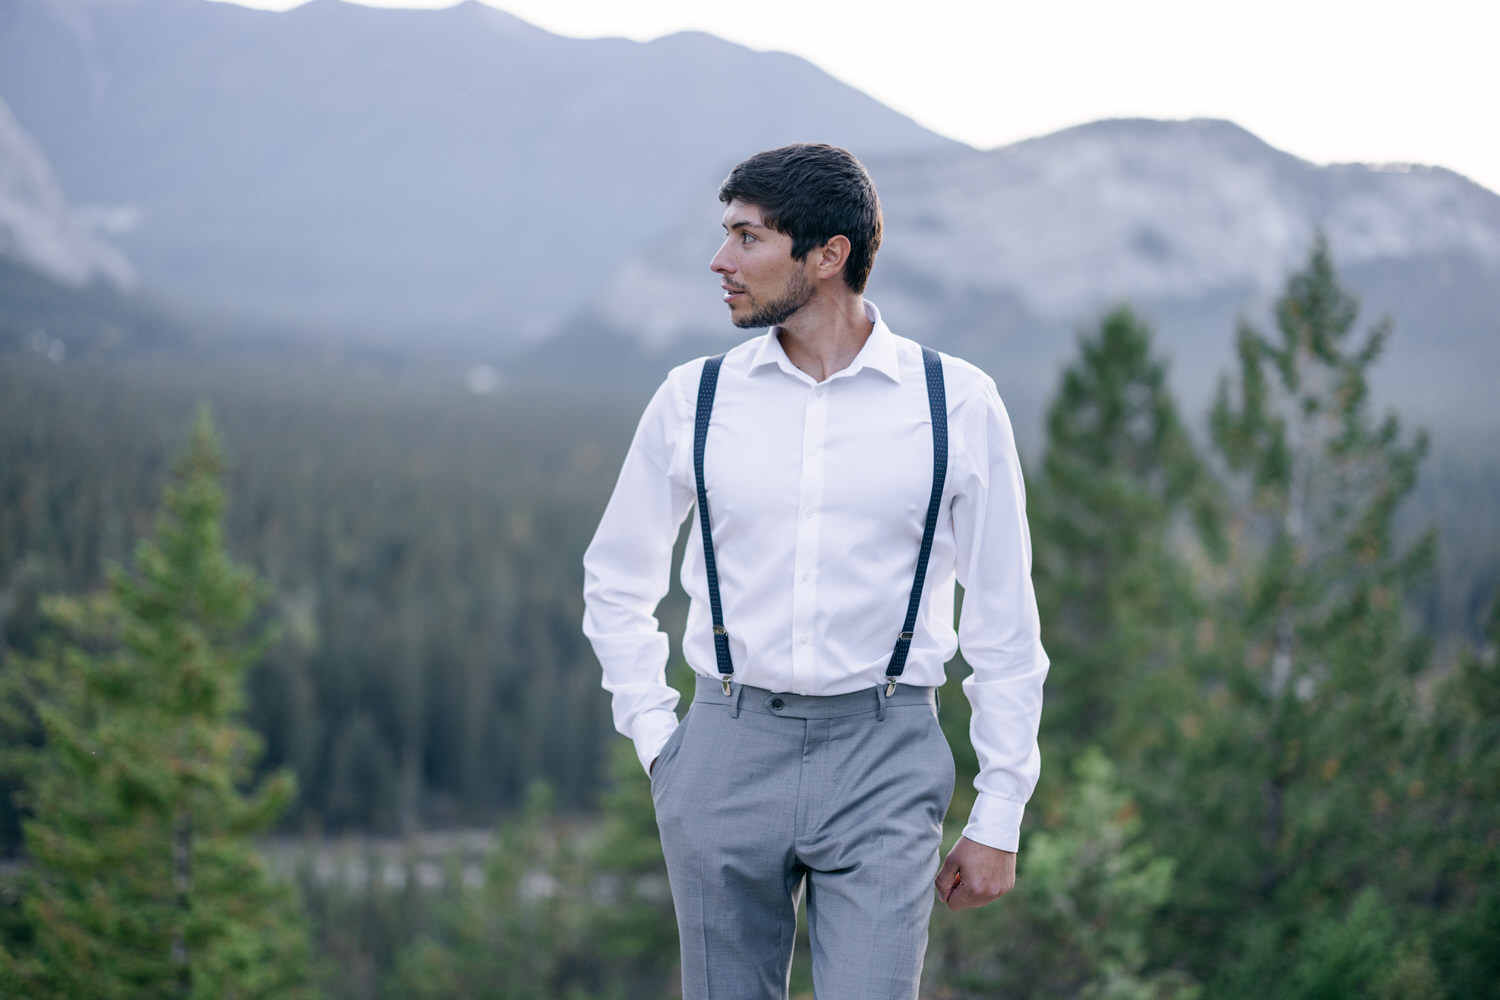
818 492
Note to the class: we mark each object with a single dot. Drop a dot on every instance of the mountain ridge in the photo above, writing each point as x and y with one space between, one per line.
460 182
380 168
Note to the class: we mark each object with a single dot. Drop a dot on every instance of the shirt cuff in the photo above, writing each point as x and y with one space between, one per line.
651 732
995 822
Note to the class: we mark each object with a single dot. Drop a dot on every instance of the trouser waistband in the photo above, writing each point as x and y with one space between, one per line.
872 700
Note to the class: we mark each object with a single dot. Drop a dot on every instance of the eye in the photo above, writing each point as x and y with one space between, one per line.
745 237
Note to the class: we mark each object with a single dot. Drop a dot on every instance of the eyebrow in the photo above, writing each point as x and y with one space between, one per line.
742 224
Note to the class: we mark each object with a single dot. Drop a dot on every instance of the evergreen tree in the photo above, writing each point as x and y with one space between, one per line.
1294 746
517 937
1451 813
631 927
1088 894
1119 479
137 774
561 914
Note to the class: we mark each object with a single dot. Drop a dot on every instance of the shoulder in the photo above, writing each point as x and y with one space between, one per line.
967 381
966 385
737 357
681 384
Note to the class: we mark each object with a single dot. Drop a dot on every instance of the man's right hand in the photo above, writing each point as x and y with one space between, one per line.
974 874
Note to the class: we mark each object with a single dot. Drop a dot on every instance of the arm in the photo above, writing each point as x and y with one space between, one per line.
627 569
1000 636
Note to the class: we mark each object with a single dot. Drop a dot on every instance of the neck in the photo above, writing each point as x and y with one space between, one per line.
824 336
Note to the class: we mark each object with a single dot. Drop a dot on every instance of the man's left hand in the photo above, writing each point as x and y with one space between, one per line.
973 875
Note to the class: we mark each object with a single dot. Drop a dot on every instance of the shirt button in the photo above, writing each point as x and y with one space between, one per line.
818 392
804 640
808 512
806 577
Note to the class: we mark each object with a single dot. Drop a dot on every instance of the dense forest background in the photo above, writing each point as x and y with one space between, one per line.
1272 740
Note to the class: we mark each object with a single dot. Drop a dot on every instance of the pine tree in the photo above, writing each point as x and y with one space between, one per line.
1079 923
518 936
1294 746
1120 480
141 882
1452 819
1112 512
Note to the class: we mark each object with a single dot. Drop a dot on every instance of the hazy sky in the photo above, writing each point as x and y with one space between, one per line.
1328 80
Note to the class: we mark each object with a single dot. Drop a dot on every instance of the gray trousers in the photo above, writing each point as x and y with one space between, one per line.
758 794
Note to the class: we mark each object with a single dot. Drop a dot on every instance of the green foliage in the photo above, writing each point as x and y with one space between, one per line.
423 545
1292 750
140 881
1120 484
511 939
1357 951
1079 922
630 923
1450 820
562 912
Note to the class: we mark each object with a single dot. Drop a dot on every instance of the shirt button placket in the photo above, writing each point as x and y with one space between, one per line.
810 498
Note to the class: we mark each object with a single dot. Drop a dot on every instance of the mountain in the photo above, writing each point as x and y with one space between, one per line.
39 230
459 181
1003 255
410 173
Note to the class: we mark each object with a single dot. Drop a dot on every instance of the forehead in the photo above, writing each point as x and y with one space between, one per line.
740 214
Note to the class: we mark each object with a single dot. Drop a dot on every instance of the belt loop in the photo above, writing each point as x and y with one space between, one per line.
734 708
937 699
880 702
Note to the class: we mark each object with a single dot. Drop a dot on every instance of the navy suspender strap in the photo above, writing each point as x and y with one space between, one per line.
937 403
707 383
938 406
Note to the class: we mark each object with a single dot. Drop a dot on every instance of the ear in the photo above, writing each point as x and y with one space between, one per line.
830 258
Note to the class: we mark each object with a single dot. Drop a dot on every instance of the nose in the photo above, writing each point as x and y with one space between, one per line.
720 264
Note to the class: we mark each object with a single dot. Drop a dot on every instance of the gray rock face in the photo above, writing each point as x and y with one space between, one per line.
37 225
1066 224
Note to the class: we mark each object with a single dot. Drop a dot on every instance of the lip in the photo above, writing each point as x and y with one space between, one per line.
731 293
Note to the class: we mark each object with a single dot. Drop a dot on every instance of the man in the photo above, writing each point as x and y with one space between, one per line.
809 758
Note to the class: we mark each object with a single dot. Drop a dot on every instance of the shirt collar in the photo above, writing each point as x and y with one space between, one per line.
878 354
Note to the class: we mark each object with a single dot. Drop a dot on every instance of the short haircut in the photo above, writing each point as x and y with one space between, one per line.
813 192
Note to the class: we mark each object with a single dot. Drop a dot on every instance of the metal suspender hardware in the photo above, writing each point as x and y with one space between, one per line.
938 406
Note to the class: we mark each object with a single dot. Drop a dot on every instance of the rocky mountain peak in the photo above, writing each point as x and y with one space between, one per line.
37 225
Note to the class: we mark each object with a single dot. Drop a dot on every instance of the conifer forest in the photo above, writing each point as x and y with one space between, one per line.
294 699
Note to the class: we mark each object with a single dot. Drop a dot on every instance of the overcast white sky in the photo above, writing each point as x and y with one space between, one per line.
1328 80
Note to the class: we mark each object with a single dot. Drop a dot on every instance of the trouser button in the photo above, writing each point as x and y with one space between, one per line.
778 704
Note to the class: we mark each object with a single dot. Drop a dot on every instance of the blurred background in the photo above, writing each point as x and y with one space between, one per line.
1236 275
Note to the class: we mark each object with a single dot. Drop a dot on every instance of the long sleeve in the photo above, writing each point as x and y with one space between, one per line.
999 631
627 570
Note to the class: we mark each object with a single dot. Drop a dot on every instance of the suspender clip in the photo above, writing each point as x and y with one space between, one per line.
725 678
890 686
